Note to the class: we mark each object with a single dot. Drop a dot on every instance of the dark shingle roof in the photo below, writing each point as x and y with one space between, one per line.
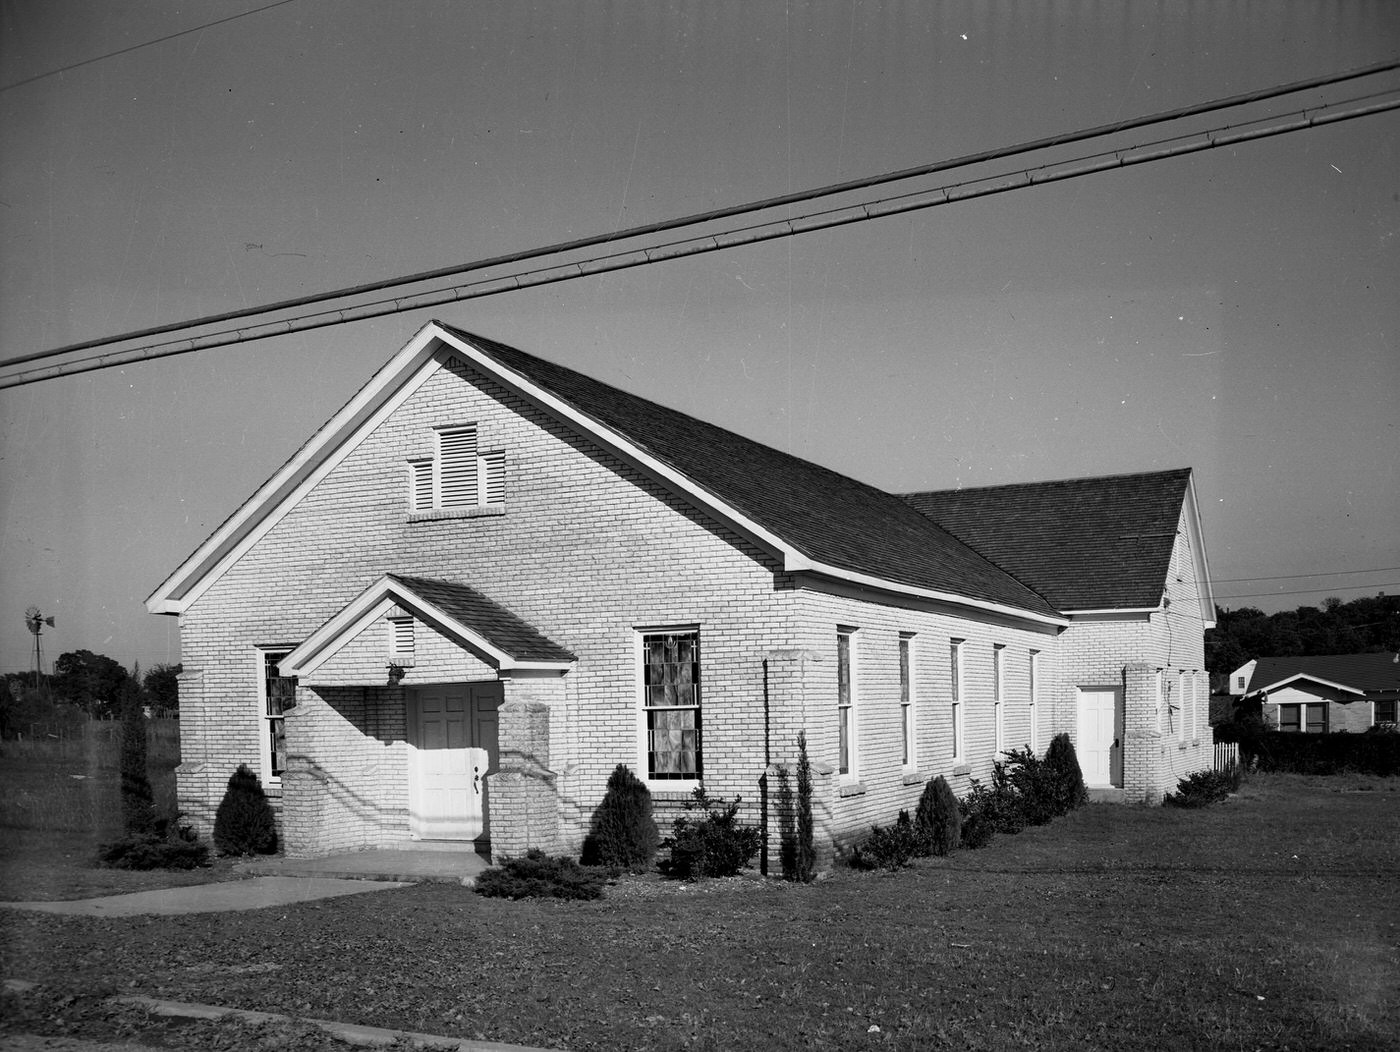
498 625
1084 544
1372 673
828 517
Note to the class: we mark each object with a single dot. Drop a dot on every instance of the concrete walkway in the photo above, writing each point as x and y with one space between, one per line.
409 866
254 894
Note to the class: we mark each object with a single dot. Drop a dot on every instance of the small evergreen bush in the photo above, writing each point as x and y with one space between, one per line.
623 832
806 860
1065 778
541 876
244 823
1034 782
715 845
1204 788
887 847
998 805
938 818
977 832
158 847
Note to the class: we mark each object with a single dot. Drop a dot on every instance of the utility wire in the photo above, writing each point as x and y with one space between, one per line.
1299 576
927 198
1311 591
597 240
137 47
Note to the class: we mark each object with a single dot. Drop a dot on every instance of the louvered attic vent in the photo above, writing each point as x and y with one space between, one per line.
459 477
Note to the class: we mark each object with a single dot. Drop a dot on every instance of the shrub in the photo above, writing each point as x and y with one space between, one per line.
976 831
1034 782
806 860
623 832
887 847
1335 753
541 876
715 845
244 823
1204 788
1066 780
157 848
938 818
996 805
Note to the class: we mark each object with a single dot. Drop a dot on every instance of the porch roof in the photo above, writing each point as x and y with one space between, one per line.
458 611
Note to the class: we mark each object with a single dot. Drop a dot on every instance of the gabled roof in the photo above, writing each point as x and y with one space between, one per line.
1366 673
812 519
1090 544
458 611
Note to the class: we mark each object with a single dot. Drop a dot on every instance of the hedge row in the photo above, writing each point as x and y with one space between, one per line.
1375 753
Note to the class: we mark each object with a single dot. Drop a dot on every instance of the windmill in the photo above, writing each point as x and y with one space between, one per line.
35 622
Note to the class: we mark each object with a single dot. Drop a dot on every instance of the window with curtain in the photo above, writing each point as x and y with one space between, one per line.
279 693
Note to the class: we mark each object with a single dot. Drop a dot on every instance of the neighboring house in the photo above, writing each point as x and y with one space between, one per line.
1239 679
489 579
1328 692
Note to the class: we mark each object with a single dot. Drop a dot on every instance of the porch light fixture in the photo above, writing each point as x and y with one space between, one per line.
396 674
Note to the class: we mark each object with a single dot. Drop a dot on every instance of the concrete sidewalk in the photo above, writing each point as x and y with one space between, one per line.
255 893
410 865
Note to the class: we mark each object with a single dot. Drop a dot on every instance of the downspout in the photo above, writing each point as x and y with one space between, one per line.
763 779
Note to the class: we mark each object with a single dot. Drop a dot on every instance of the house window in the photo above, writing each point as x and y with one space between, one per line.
906 697
845 704
998 709
671 703
955 669
459 476
277 694
1385 711
1316 718
1033 672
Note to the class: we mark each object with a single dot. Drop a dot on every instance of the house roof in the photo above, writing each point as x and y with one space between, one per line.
1369 673
1084 544
830 518
458 611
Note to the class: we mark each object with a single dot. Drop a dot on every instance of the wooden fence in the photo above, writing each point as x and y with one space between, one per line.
1227 755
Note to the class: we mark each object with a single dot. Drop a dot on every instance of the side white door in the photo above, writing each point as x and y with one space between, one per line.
1098 742
446 776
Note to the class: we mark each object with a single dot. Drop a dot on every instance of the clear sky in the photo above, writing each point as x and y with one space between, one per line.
1236 311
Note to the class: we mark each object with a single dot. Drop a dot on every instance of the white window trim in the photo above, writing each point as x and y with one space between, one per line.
998 697
1032 693
909 709
852 772
643 766
1180 706
957 689
269 780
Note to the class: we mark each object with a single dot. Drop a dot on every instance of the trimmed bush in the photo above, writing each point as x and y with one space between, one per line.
1066 780
244 823
623 832
715 845
1376 752
1035 784
887 847
806 860
541 876
976 832
938 818
997 805
156 848
1204 788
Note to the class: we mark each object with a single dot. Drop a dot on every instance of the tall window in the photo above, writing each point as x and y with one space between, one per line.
1385 711
906 697
955 670
845 704
671 701
277 695
998 709
1309 718
1033 672
458 476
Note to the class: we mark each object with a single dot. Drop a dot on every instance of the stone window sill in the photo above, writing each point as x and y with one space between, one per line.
962 768
476 511
852 789
912 778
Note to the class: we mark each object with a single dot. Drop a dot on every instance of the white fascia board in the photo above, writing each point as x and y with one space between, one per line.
1311 679
793 559
1196 533
880 583
396 381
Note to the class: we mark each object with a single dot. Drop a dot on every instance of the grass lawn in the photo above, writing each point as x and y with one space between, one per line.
1269 921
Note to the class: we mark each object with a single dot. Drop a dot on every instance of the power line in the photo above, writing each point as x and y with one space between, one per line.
565 271
1299 576
143 44
598 240
1311 591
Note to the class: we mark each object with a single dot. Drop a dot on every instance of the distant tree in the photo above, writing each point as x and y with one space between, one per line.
163 689
93 682
138 803
1366 625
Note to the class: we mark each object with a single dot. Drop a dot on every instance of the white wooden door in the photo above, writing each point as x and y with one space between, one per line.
1099 741
446 774
484 702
